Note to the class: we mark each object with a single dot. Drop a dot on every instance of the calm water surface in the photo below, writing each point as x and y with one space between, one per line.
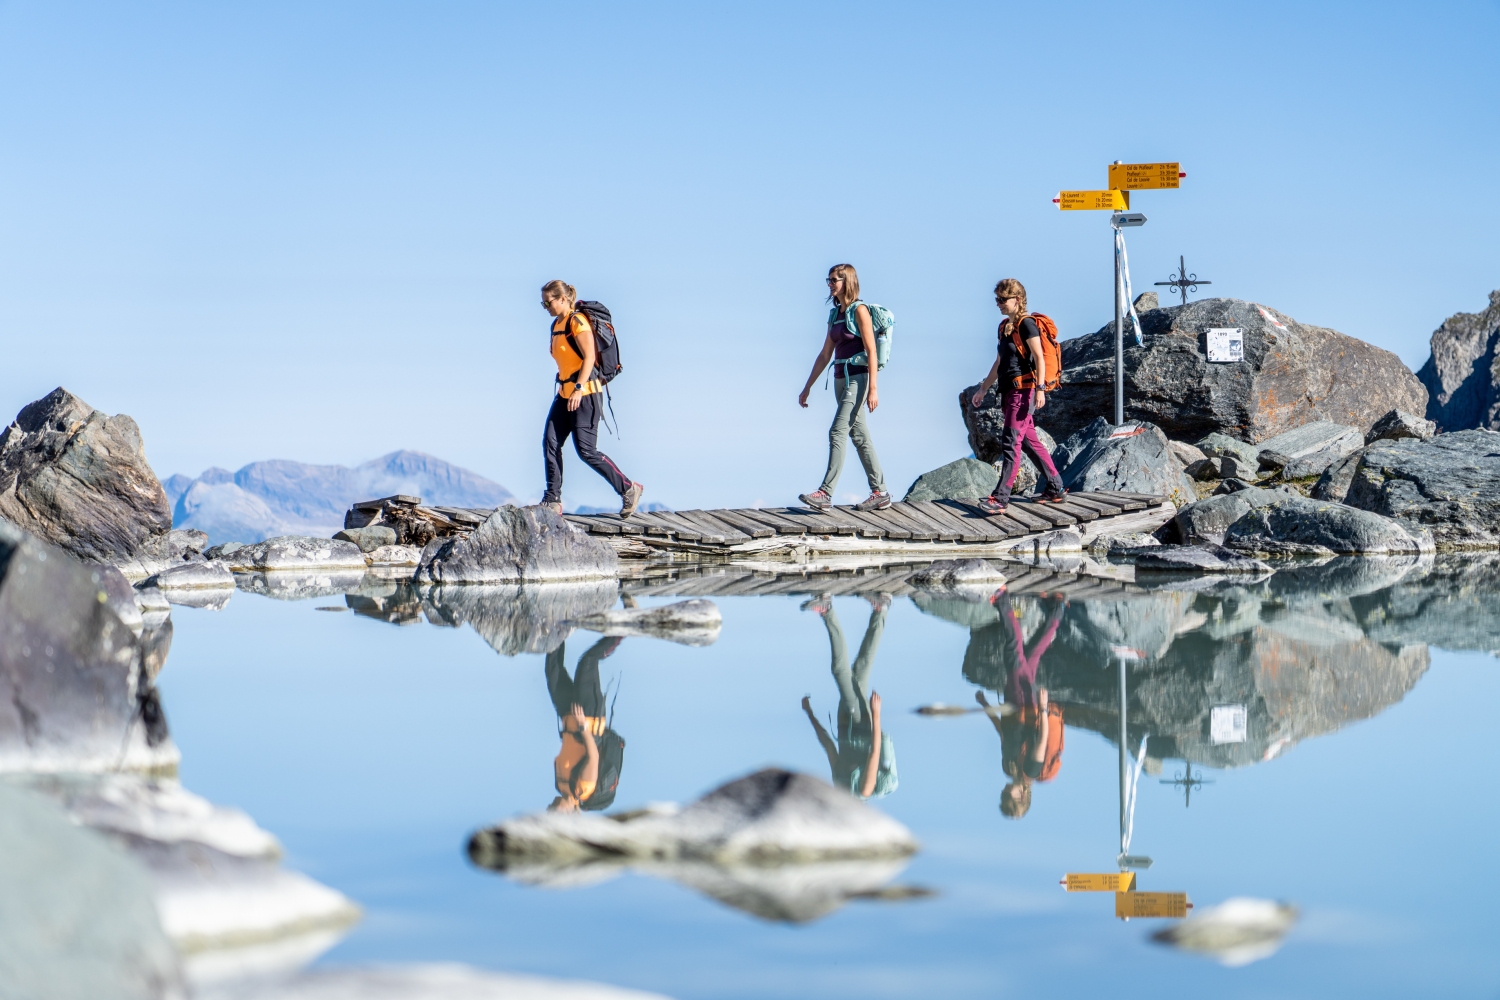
1361 785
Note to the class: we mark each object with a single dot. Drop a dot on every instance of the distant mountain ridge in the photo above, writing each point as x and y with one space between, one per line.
281 497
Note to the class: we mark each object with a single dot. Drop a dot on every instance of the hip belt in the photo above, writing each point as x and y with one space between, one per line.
843 371
584 389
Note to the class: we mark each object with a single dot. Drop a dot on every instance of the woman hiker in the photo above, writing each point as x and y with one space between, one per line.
576 409
1021 379
586 770
854 385
863 760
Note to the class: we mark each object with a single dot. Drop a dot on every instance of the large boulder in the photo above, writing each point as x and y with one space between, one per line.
1134 458
75 694
515 544
1208 519
1291 374
1462 375
1301 526
1310 449
964 479
79 479
1449 485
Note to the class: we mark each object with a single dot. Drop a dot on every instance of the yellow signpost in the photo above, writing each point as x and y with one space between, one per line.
1093 201
1151 904
1144 176
1101 882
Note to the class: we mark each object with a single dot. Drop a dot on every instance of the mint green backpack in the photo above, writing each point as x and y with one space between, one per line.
882 323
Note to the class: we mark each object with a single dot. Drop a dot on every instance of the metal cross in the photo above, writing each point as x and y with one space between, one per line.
1183 282
1188 783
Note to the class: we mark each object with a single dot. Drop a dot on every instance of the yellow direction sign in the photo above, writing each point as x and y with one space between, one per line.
1143 176
1103 882
1151 904
1088 201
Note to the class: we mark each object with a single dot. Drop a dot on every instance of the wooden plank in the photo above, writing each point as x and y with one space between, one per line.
652 524
1103 507
874 527
1048 512
1007 526
1079 512
1129 505
712 527
747 525
781 525
920 531
967 532
1014 514
818 523
990 528
591 524
685 530
1133 498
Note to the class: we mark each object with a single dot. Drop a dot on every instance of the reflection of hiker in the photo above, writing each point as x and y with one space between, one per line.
1031 738
579 403
1022 374
854 385
587 768
864 758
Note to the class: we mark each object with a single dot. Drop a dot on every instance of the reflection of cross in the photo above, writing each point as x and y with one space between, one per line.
1188 783
1184 282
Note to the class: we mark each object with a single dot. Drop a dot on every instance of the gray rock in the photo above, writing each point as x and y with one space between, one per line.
1292 374
395 555
1232 486
986 424
79 479
1462 375
1300 526
1399 424
1335 481
74 695
515 544
175 548
770 817
1310 449
1208 519
1449 485
519 618
691 623
1226 467
1146 301
290 552
1062 541
1187 454
1104 546
1203 558
369 538
194 576
965 479
1222 445
1140 462
77 916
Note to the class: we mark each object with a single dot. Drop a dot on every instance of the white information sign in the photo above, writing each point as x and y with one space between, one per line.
1227 724
1226 344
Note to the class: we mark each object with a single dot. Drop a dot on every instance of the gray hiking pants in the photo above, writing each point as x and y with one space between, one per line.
849 422
854 684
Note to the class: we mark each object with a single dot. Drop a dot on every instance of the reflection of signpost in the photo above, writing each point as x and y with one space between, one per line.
1101 882
1227 724
1151 904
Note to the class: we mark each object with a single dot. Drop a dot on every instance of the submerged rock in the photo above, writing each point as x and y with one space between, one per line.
79 479
74 693
1315 527
1449 485
1308 450
1292 373
965 479
289 552
692 623
1462 375
517 544
1134 459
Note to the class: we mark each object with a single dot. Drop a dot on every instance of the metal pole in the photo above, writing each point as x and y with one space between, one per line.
1124 765
1119 342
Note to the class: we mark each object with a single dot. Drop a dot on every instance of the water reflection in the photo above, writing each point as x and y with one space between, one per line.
863 758
586 771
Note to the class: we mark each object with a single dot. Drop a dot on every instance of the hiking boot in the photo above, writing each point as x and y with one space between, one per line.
553 505
875 501
631 500
820 604
1052 496
817 500
989 505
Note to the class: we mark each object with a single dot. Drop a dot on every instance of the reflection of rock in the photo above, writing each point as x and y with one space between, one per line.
519 618
1204 558
294 553
767 818
1453 603
1236 932
76 914
448 981
74 694
394 601
692 623
973 578
289 586
518 543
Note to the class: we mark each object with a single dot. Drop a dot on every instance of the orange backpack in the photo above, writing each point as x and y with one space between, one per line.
1051 351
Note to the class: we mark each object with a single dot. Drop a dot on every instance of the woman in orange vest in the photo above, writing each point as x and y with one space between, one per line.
1031 738
577 408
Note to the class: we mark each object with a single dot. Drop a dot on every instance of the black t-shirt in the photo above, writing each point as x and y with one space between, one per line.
1014 363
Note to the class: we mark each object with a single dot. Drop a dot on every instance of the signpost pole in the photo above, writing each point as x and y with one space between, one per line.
1119 340
1124 764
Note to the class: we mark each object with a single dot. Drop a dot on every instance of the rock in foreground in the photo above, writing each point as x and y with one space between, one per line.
692 623
1135 458
1449 485
1292 374
518 544
769 817
79 479
1302 527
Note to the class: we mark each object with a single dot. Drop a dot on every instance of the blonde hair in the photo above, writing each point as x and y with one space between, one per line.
557 287
1015 808
850 291
1007 287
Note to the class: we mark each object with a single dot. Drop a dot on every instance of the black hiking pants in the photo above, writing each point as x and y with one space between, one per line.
583 424
583 687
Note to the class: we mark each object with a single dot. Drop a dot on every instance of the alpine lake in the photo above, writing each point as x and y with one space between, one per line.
1323 737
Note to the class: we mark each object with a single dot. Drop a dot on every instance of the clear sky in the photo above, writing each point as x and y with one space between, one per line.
318 231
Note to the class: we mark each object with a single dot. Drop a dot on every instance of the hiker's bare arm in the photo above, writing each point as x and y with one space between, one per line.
824 740
1034 345
872 766
867 337
978 398
584 373
824 356
1040 754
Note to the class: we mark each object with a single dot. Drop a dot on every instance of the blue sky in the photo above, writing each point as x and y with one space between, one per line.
318 231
